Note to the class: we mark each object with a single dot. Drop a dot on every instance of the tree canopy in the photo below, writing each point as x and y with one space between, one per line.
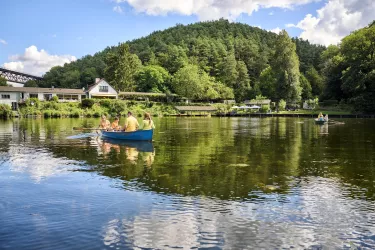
247 60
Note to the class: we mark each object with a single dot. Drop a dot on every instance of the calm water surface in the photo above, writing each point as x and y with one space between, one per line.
231 183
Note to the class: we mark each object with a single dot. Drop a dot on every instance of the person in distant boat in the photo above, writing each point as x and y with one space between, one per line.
320 117
115 125
131 123
148 123
326 118
104 123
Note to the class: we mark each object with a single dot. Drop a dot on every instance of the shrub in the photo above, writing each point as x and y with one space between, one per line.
5 111
117 107
264 108
105 103
54 99
87 103
47 113
33 102
281 105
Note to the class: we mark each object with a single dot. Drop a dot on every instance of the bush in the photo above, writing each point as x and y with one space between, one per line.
32 102
117 107
281 105
47 113
87 103
54 99
5 111
105 103
264 108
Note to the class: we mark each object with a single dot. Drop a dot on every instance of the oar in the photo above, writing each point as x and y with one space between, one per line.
77 128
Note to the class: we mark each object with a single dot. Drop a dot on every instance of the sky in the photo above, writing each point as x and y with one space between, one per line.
39 34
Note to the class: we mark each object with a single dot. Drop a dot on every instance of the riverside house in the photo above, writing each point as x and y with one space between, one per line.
15 95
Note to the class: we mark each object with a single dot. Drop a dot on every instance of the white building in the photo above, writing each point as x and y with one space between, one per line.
101 89
14 95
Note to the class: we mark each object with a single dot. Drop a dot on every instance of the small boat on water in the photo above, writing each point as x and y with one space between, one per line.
318 121
139 135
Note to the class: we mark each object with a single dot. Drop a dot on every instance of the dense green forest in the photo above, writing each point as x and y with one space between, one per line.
223 60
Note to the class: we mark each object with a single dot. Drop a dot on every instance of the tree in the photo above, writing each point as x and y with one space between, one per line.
31 83
194 83
152 78
358 50
306 88
186 82
268 83
315 80
286 68
242 85
229 74
3 81
121 68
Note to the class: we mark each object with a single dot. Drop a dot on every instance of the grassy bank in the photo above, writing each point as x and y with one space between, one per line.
93 108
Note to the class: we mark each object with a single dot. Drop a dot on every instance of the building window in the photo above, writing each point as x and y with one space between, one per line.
5 96
33 95
103 88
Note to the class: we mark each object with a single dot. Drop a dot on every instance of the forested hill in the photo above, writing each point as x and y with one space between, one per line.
206 60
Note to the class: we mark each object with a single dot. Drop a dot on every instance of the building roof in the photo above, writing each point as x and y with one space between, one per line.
95 84
41 90
196 108
255 102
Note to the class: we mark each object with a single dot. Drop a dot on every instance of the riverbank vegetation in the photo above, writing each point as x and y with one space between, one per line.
222 60
93 108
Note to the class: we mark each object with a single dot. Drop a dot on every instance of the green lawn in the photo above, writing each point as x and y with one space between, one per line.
316 112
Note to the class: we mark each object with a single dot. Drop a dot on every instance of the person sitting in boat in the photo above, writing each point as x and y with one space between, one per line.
104 123
115 125
326 118
148 123
320 117
131 123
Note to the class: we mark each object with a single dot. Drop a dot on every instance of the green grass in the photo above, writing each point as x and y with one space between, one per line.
316 112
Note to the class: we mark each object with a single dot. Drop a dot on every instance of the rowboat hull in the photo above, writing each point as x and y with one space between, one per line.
139 135
320 122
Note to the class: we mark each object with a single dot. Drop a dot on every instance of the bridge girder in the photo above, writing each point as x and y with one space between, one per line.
18 77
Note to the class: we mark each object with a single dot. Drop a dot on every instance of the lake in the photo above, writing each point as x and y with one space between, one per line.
225 183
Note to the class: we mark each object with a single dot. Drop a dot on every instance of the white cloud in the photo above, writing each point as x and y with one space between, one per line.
276 30
210 9
118 9
3 41
336 19
36 62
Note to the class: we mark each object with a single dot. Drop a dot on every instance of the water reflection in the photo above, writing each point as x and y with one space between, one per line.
133 150
234 183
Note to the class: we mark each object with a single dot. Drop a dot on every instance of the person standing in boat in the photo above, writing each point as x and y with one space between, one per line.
104 123
148 123
131 123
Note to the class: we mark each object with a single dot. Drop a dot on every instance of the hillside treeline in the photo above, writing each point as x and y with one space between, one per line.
222 60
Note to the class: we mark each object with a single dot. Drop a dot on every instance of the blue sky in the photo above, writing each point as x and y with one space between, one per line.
77 28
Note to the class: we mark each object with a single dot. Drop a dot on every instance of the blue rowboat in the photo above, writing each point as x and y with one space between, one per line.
139 135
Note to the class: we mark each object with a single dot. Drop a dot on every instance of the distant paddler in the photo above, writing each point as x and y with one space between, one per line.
104 123
320 117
